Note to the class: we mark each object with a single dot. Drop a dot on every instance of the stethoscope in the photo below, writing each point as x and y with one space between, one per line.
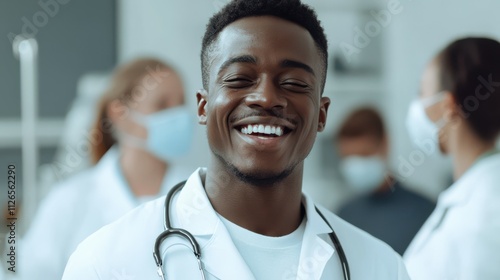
169 231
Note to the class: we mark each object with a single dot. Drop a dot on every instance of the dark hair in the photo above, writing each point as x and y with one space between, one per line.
362 122
465 68
124 82
290 10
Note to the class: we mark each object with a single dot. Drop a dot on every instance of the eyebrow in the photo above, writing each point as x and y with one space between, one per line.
252 60
295 64
237 59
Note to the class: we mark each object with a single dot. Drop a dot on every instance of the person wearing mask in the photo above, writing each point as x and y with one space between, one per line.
458 114
140 129
383 206
264 67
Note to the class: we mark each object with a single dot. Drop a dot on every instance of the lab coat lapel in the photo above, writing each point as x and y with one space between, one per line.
457 194
195 213
222 259
112 187
426 231
315 251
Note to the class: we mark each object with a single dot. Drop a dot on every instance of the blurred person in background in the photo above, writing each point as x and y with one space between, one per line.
140 129
458 114
383 207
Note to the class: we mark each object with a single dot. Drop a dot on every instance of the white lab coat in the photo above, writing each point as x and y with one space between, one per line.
75 209
123 250
461 239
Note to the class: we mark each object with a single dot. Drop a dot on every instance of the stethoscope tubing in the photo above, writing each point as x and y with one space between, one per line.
169 231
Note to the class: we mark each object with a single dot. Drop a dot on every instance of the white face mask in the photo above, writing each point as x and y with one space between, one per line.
363 174
169 132
423 132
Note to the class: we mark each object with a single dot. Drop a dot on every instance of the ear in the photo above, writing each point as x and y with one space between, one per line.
202 101
323 111
451 111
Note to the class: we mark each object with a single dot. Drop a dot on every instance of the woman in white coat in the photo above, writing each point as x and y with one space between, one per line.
133 152
459 110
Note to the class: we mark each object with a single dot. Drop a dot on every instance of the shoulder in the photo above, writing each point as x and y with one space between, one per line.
54 223
365 253
86 179
411 200
407 192
70 194
70 191
111 246
354 235
80 185
141 220
357 204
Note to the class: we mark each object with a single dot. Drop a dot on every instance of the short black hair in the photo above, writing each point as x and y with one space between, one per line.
290 10
362 122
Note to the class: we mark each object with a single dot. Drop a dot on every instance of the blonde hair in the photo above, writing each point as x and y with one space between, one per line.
123 87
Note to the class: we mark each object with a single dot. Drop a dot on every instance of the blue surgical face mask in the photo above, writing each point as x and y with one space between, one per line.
169 132
421 129
363 174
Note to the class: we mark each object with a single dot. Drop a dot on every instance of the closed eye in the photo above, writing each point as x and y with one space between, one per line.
296 86
237 83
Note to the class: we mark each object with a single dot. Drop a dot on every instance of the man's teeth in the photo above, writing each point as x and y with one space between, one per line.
264 129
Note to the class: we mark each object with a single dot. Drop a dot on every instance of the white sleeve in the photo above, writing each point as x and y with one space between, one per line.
81 266
480 257
43 249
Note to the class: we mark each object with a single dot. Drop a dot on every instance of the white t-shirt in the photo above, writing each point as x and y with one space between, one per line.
269 258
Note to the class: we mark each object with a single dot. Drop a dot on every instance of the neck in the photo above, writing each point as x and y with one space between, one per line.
269 210
465 150
143 172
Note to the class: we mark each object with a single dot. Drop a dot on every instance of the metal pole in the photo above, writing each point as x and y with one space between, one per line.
26 50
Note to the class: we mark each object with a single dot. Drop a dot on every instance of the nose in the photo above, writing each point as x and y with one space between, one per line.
267 96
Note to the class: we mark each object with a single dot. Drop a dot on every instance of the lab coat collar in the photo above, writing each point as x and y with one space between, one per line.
462 191
465 187
196 214
314 220
315 251
114 188
194 210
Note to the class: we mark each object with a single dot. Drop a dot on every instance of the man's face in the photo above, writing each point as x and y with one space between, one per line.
263 108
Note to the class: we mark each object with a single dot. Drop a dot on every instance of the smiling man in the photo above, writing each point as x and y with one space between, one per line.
264 68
